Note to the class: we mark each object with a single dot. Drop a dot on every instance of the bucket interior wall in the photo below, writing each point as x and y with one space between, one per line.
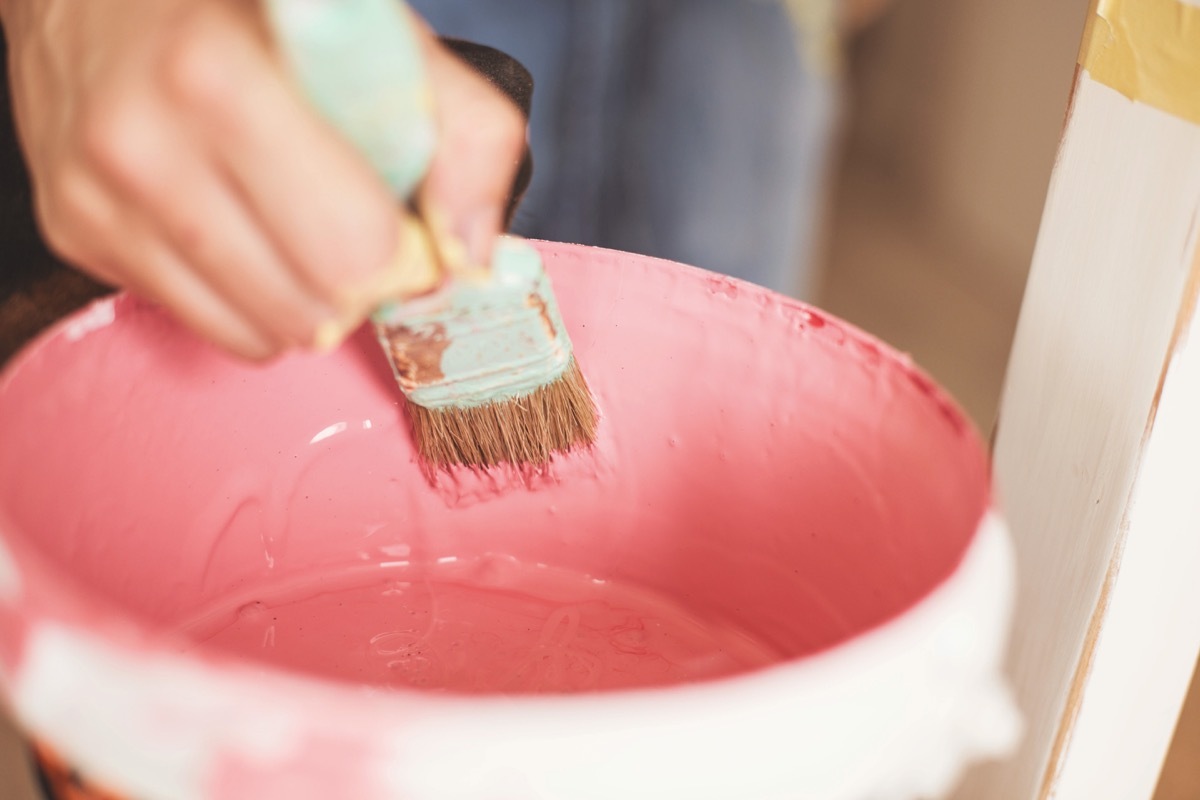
757 461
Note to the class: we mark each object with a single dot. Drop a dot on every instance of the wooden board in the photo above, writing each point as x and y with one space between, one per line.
1097 458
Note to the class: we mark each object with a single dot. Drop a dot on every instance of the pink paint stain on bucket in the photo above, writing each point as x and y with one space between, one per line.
778 574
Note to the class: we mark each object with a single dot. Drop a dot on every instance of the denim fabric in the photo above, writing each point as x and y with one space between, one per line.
684 129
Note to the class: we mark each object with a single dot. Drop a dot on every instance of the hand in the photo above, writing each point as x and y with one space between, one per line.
170 154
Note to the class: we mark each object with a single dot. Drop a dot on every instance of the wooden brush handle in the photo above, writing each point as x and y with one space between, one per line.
37 288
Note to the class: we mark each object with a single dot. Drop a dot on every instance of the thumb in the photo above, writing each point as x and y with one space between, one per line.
468 192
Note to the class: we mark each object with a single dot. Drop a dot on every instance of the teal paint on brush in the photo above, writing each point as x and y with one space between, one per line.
359 62
498 339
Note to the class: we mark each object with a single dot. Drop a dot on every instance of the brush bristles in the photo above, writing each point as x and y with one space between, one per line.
525 431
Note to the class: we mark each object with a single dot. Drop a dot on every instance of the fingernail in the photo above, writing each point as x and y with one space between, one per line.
412 270
332 332
480 231
466 253
450 249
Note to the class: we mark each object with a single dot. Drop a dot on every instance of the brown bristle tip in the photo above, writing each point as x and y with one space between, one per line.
523 432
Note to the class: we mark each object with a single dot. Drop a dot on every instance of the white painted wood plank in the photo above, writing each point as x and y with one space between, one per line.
1149 638
1104 293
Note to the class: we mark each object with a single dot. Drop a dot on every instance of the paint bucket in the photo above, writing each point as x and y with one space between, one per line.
778 574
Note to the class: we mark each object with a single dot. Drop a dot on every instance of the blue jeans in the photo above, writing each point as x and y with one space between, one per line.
684 129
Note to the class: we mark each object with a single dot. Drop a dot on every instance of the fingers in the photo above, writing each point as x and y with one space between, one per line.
82 218
481 141
207 225
248 198
157 178
315 200
333 221
165 277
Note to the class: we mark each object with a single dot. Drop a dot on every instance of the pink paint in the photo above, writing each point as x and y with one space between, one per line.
769 484
487 624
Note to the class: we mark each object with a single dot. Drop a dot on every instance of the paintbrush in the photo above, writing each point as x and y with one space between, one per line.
482 356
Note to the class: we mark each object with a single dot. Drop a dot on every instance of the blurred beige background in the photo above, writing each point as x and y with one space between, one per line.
954 113
955 110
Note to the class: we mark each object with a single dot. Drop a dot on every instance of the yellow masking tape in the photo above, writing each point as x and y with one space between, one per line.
815 22
1148 50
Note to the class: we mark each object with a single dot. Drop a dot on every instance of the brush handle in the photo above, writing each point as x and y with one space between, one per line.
359 63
